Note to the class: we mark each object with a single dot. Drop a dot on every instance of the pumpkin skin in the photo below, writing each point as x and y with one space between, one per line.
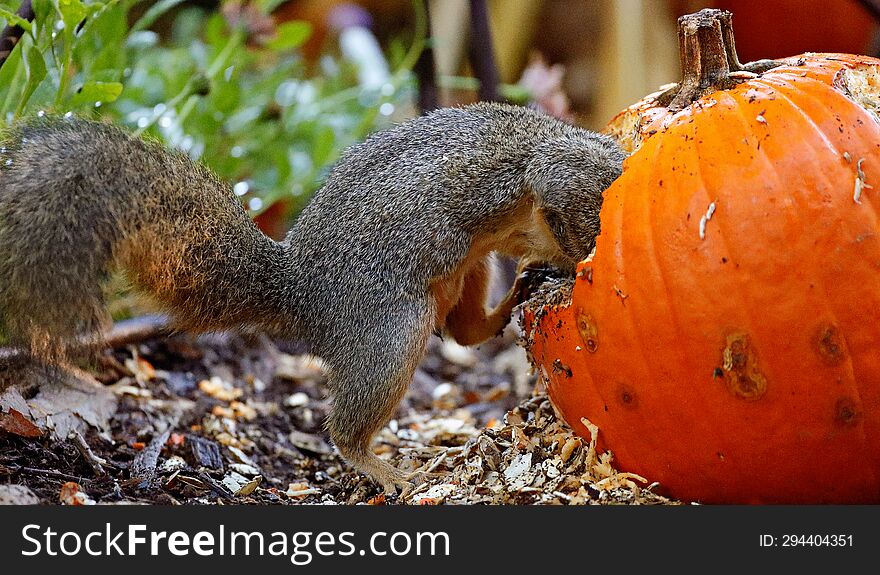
740 364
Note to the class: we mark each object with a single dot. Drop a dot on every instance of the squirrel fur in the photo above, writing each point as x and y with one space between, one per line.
393 247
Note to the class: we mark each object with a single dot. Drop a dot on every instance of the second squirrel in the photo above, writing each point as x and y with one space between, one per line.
394 246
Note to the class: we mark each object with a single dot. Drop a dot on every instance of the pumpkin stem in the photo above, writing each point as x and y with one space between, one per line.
708 58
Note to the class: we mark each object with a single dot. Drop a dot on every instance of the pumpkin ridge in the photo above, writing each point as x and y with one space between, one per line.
747 122
823 107
658 264
625 311
798 195
830 313
784 92
850 101
734 282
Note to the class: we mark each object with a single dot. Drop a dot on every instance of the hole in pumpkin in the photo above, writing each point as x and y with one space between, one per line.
846 412
829 345
740 366
862 85
626 396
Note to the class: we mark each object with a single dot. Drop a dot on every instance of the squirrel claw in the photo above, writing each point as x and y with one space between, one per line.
390 487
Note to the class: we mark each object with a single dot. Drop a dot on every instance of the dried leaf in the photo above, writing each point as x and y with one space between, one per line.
72 401
309 442
17 424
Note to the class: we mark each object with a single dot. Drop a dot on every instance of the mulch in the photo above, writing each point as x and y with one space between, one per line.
223 419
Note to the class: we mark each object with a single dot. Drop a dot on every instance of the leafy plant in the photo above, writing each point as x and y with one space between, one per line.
252 109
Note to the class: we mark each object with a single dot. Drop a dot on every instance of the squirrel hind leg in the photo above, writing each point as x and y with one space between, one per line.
361 407
367 389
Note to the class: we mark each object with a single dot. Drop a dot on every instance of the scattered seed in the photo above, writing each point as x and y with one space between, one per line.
860 182
761 119
742 75
705 218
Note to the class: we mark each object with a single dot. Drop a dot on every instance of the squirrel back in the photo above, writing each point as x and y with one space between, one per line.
443 189
393 247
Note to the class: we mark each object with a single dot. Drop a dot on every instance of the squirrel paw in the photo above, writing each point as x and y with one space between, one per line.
390 486
531 279
416 478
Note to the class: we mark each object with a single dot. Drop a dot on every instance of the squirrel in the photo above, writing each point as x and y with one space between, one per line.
393 247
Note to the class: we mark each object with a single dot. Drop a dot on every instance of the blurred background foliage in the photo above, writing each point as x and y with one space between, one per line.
230 87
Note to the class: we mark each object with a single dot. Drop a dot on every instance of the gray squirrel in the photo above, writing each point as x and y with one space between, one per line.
393 247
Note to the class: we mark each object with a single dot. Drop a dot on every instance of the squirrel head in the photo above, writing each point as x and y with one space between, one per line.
568 176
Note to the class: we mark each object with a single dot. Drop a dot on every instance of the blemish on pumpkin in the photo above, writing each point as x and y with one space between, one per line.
829 345
588 330
626 396
559 367
740 365
846 412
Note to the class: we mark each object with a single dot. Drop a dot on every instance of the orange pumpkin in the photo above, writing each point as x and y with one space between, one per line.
725 336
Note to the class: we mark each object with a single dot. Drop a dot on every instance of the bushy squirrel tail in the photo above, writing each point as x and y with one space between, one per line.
79 199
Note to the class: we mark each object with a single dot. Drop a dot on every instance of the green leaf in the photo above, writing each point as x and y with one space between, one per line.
72 13
99 47
13 19
91 92
45 17
42 9
35 69
290 35
9 84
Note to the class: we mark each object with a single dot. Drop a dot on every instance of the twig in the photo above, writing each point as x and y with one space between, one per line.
216 486
481 53
144 464
96 463
47 472
122 333
10 35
